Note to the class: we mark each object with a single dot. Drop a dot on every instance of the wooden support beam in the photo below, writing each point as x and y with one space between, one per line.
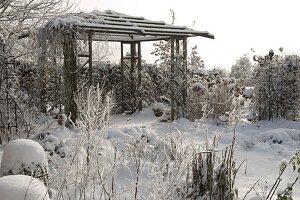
70 75
123 79
90 59
83 65
177 68
172 80
82 55
184 91
139 81
132 78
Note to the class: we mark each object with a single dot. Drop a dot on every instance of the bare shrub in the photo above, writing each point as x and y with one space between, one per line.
87 173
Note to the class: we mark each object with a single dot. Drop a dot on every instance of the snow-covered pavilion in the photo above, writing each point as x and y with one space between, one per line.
128 30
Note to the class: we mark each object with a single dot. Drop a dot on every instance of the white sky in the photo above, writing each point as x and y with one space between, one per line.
238 25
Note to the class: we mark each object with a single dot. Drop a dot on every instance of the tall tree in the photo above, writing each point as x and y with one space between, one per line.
242 70
20 17
194 61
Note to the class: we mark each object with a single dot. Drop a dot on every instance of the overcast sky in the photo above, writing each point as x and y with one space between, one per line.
238 25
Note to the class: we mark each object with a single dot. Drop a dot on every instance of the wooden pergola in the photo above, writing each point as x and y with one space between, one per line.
128 30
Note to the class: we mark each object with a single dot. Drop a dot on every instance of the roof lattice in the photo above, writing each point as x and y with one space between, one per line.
113 26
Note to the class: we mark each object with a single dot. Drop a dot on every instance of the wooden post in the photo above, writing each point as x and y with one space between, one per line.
172 81
123 79
90 58
139 81
185 86
177 79
132 79
70 74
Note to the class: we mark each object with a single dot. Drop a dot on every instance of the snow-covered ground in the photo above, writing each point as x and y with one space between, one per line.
264 145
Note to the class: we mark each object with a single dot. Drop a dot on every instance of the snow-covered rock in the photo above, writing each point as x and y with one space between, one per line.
21 187
23 156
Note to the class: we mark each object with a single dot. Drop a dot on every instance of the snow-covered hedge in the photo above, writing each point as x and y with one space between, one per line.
23 156
21 187
276 86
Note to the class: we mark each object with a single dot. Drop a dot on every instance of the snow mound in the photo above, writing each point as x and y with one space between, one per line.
101 149
23 156
147 138
245 142
53 141
21 187
280 136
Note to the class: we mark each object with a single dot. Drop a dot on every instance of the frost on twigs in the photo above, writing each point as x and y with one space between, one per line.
94 111
25 157
20 187
84 163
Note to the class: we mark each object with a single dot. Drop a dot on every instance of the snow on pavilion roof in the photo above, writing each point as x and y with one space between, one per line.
113 26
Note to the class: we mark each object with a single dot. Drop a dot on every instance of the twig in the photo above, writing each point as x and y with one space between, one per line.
250 189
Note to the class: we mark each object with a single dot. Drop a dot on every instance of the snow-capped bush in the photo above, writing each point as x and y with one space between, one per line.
248 92
53 141
159 109
252 116
276 86
84 163
23 156
212 94
21 187
280 136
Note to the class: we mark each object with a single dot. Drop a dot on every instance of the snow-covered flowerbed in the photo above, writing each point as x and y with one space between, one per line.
263 145
141 150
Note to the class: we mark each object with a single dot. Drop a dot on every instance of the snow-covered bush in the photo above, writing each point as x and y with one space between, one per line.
161 110
213 172
84 164
212 94
276 86
20 187
167 168
248 92
242 71
158 166
54 141
280 136
23 156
